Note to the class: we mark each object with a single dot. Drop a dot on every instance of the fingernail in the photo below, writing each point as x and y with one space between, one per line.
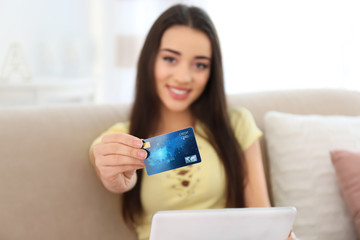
138 143
142 154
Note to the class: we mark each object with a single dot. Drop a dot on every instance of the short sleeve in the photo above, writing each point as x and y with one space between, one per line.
245 128
118 127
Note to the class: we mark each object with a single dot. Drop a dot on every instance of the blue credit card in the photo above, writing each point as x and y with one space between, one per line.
172 150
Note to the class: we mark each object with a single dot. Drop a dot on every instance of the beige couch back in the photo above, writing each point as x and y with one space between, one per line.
48 189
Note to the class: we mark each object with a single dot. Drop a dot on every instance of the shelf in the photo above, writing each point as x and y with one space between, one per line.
47 92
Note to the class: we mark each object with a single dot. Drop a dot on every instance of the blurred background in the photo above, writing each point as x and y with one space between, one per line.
73 51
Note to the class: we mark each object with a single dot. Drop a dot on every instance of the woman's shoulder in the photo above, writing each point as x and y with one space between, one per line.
241 114
119 127
244 126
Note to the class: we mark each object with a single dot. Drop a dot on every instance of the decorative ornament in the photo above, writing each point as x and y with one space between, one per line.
15 67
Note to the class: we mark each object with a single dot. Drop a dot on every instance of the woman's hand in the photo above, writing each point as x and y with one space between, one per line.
116 159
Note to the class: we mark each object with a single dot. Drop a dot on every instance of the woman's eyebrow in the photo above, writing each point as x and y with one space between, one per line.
170 50
178 53
203 57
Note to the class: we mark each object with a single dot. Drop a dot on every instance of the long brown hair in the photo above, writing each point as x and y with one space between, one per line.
210 108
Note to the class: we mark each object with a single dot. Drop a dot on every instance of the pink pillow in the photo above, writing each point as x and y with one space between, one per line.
347 166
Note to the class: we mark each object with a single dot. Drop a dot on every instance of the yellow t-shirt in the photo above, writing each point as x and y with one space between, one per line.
198 186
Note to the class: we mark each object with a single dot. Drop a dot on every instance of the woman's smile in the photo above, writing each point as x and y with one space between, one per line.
179 93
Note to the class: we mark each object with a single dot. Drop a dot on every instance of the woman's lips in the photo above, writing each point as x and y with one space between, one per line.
179 93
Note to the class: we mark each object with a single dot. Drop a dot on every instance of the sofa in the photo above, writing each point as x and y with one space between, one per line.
49 189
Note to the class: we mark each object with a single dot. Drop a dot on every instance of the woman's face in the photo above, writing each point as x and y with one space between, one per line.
182 67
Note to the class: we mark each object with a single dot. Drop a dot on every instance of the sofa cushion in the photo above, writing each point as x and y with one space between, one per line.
302 174
347 166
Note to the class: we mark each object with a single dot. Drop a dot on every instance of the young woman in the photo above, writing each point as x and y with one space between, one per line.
179 85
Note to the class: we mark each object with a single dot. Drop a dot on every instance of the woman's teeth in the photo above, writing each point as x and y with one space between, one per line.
177 91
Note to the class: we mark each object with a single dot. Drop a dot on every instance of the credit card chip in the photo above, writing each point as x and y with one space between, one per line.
146 145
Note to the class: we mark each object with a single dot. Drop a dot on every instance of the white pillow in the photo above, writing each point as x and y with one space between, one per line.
302 174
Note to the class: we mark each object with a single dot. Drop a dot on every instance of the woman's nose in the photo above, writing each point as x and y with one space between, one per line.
183 74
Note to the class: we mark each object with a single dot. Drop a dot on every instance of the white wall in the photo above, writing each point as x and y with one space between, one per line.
282 44
277 44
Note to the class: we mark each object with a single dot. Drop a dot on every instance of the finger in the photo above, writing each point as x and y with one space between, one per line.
110 172
120 169
118 160
120 149
123 138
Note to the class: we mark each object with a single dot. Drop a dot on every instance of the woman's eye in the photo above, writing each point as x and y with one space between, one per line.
201 66
170 59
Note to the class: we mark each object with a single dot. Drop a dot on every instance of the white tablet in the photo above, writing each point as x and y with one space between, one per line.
273 223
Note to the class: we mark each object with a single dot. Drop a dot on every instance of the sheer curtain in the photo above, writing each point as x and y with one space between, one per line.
46 52
267 45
